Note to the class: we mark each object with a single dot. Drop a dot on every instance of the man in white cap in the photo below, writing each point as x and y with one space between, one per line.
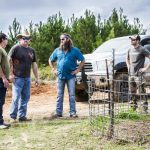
135 62
22 59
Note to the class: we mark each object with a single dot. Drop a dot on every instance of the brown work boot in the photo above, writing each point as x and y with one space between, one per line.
73 116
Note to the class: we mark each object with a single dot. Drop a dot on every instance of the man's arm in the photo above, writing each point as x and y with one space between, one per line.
35 72
10 58
11 76
5 81
79 68
53 66
127 61
146 67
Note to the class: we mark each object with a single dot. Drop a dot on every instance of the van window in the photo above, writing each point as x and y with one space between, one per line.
145 41
147 46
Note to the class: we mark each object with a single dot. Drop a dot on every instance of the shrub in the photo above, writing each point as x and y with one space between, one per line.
45 73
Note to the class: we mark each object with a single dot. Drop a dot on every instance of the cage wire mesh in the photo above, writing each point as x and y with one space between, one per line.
114 112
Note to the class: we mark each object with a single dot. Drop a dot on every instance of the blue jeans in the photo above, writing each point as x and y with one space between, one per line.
2 99
60 95
20 97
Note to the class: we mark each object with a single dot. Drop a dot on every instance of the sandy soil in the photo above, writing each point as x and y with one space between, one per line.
43 102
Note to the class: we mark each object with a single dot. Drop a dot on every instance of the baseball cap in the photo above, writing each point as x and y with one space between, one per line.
135 37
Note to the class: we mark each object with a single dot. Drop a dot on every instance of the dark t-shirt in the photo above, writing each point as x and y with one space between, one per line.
22 59
136 58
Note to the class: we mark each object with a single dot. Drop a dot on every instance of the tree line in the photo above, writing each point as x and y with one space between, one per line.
87 32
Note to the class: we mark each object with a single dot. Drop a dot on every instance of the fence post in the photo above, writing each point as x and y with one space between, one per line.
108 86
111 129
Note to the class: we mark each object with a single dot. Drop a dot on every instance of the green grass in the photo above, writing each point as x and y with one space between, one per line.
132 115
58 134
100 122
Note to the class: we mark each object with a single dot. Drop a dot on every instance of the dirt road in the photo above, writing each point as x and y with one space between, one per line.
43 102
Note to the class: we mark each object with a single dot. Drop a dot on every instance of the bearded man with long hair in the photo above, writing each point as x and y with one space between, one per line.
66 57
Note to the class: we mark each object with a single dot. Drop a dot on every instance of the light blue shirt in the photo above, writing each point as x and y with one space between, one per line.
66 62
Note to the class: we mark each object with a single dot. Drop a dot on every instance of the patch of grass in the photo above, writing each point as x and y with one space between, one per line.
100 122
47 135
145 117
132 115
58 134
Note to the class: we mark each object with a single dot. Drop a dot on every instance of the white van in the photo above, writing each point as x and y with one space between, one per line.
95 64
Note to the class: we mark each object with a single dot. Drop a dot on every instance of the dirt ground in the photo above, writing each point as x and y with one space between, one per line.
43 102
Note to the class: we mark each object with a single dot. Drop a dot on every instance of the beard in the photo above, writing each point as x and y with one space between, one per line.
65 46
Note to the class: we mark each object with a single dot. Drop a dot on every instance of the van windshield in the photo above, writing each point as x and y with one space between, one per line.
117 44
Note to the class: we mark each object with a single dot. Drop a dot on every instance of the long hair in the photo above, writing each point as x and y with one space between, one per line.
68 44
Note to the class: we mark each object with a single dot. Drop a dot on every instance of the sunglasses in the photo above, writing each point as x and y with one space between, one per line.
133 39
26 38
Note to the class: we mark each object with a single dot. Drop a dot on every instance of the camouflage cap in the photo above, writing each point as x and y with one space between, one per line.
136 37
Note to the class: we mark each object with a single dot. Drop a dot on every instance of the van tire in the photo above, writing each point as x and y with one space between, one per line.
81 96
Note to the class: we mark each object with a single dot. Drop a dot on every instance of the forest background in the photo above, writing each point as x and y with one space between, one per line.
87 32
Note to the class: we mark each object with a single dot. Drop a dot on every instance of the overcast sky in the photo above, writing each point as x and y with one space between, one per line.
39 10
